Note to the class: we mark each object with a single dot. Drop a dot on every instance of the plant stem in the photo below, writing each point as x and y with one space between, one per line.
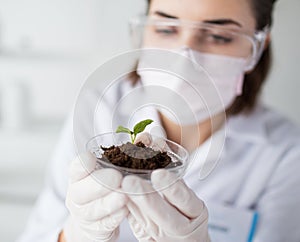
132 137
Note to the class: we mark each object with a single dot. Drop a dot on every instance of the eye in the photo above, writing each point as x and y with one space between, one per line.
216 37
220 39
165 30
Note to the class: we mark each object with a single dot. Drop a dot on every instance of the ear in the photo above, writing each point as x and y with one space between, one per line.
266 44
267 41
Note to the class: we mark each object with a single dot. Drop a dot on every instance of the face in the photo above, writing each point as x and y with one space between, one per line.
223 21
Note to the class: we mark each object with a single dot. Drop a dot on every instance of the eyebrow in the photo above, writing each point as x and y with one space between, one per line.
223 22
165 15
213 21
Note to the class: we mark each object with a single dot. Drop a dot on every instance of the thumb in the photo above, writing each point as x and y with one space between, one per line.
177 193
145 138
82 166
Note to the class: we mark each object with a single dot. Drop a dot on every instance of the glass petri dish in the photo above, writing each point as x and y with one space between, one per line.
178 154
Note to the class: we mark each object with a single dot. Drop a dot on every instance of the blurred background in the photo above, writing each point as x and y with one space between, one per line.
48 48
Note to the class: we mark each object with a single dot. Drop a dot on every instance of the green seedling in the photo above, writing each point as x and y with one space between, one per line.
138 128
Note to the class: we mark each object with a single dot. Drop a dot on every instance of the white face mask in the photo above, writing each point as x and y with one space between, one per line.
201 94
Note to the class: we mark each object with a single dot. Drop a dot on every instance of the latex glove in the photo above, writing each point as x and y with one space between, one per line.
157 143
96 208
177 215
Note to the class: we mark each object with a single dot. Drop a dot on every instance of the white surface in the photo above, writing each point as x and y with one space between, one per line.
12 219
22 167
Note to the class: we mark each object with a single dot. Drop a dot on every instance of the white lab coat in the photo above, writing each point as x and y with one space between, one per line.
258 170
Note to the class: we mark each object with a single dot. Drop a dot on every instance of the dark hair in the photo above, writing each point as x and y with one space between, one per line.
254 80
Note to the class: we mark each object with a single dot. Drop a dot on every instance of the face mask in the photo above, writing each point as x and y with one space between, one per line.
196 86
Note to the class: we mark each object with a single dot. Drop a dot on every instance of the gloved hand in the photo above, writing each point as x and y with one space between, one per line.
96 208
177 215
156 143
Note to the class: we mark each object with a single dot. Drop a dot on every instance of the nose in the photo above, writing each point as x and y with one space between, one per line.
188 39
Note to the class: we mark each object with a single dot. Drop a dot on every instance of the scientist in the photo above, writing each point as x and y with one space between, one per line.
254 189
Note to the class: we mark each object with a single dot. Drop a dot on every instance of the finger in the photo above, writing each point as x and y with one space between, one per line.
153 206
105 229
138 229
99 208
145 138
145 222
136 213
82 166
98 184
160 144
177 194
112 221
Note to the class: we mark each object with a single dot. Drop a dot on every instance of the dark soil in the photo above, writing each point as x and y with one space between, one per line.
136 156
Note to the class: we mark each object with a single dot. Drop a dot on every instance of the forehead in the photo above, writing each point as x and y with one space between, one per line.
202 10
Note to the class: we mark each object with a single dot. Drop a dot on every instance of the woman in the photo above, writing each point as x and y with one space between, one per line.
257 172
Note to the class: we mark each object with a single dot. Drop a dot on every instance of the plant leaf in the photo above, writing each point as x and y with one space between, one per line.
140 127
122 129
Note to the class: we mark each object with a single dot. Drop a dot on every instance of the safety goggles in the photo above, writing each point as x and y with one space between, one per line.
203 37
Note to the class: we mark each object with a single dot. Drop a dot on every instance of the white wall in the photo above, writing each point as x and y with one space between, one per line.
52 46
282 88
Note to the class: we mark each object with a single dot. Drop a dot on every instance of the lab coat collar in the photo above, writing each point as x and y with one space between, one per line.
206 157
241 128
248 127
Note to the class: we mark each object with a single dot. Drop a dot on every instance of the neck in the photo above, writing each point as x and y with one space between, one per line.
191 136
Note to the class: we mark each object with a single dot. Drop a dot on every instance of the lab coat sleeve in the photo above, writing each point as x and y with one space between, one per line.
279 206
49 213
